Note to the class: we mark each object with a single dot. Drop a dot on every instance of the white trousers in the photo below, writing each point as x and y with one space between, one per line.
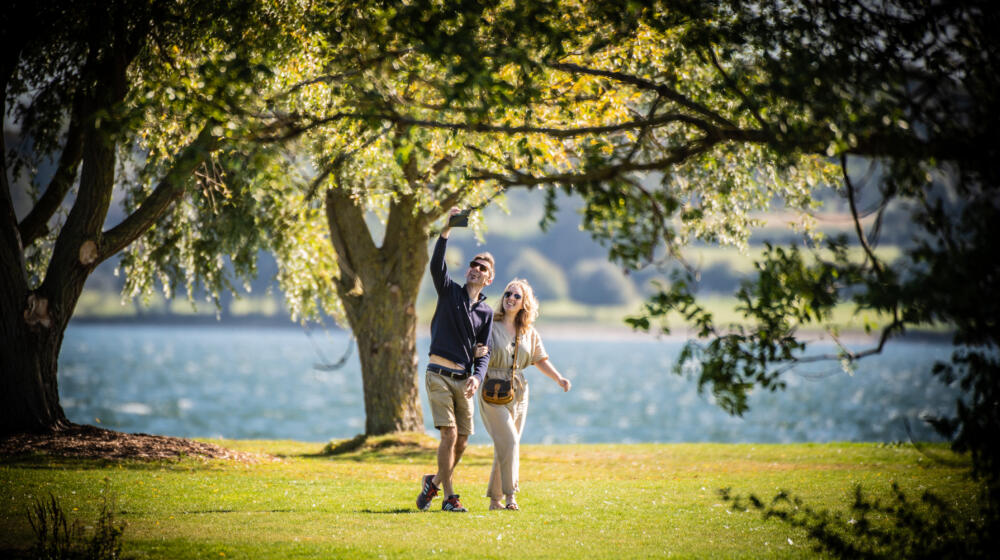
505 423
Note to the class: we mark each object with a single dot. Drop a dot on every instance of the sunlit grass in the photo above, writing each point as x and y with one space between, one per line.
613 501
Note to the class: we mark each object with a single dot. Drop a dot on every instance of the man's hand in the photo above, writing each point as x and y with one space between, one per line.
470 387
447 229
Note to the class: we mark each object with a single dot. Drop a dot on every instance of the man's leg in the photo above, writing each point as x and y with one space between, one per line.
449 454
446 458
463 428
456 455
440 393
460 444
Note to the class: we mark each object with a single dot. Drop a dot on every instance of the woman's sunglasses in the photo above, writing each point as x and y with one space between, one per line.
482 267
512 294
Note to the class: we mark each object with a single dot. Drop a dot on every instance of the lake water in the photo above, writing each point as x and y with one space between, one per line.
260 383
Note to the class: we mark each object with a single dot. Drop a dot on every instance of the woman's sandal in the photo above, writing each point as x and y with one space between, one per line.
496 506
512 506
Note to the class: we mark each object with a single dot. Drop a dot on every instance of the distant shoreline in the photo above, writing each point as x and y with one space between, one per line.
556 330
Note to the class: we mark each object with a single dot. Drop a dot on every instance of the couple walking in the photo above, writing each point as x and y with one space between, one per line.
472 344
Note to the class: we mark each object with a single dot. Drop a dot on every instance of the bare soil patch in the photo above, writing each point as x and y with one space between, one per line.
98 443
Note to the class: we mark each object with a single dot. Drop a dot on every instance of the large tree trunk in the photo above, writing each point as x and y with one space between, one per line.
29 394
378 287
29 398
34 321
387 346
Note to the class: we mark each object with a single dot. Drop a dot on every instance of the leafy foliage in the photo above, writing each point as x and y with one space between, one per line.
193 71
901 527
908 90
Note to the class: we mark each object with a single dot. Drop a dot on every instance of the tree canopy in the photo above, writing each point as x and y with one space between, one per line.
247 125
908 92
127 101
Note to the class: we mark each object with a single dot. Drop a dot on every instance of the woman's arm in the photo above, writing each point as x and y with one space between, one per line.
549 370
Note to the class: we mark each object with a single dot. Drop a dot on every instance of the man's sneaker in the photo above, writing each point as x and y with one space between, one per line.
452 504
427 493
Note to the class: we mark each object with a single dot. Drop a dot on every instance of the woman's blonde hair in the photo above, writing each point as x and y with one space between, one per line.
529 306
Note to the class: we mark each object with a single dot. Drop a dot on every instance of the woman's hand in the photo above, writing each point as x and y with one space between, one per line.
548 369
482 350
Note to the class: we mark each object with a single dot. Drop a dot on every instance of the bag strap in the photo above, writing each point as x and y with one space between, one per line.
513 362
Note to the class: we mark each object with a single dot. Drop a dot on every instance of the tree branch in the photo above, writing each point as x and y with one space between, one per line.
35 224
554 132
450 200
728 131
644 132
170 188
350 237
359 68
602 173
643 83
14 274
862 238
733 86
437 168
338 161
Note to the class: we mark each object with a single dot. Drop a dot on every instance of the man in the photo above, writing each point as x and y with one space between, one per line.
459 354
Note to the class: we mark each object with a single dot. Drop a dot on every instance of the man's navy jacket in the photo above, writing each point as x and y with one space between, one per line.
458 324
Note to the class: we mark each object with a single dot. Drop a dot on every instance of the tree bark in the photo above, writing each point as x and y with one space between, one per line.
29 394
34 320
378 287
29 399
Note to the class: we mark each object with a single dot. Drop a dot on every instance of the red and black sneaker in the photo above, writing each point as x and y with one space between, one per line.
427 493
452 504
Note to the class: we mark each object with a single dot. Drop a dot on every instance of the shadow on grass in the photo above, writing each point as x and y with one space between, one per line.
214 511
393 449
388 511
370 456
42 461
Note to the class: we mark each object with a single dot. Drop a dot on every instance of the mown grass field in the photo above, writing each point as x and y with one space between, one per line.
579 501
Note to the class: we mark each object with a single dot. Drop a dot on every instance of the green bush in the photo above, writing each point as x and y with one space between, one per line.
547 278
598 282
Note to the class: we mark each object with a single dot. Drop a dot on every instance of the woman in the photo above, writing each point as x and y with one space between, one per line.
512 321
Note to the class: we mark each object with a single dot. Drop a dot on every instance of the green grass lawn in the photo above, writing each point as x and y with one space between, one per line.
578 501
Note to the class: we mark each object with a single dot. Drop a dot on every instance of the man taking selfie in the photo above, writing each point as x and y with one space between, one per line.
459 354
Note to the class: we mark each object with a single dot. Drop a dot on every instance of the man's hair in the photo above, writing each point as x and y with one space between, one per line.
487 258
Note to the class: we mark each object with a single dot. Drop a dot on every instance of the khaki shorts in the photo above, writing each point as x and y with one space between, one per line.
449 407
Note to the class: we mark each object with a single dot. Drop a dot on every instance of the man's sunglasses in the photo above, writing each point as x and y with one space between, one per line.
512 294
482 267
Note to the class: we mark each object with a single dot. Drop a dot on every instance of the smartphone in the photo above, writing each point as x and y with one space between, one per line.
459 220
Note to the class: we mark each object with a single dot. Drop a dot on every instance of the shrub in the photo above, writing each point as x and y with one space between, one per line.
598 282
547 278
900 527
56 539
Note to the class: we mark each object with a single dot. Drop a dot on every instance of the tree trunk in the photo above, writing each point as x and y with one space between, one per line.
34 321
378 287
29 397
387 345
